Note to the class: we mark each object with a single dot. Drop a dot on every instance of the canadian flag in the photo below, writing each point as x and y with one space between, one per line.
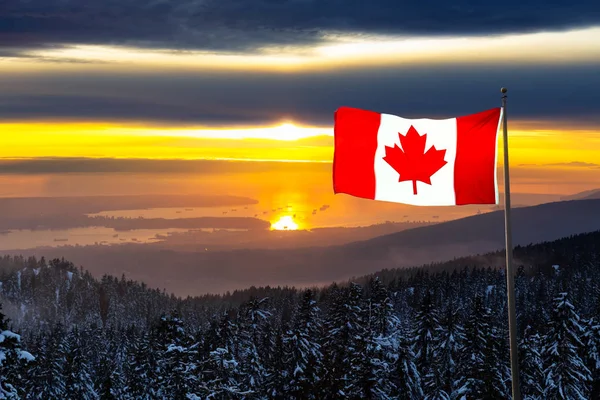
423 162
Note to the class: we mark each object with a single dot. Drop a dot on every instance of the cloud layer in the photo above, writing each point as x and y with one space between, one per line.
568 92
106 165
238 25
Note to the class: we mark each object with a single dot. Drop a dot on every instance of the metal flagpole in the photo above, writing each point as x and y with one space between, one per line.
510 278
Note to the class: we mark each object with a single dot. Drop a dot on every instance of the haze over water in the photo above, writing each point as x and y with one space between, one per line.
298 192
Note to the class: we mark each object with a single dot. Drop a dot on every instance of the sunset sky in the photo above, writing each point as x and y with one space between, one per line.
260 80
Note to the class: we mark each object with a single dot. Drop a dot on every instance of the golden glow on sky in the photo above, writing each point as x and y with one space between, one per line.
335 50
33 131
285 223
287 141
282 142
284 131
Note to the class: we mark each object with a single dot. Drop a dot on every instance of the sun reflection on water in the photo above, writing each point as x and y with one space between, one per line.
285 223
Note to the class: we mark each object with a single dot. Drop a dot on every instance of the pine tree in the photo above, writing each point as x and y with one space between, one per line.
104 384
567 377
483 374
405 379
225 384
252 325
176 366
278 380
78 381
343 344
14 361
426 331
110 382
118 348
440 382
531 366
47 376
380 333
592 340
223 373
141 375
335 345
304 357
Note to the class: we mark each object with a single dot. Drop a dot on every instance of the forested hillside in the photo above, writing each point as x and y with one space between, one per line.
436 332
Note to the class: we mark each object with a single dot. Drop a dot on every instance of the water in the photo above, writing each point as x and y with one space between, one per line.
298 193
24 239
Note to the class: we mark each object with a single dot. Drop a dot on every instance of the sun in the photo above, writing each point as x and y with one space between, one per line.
285 223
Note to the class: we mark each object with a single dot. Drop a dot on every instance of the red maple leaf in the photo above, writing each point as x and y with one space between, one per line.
413 164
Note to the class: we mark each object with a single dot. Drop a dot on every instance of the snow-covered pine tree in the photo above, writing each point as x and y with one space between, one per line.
14 362
567 376
105 371
482 374
404 378
592 336
118 348
380 331
360 381
592 350
382 318
303 352
335 334
47 378
225 384
110 382
141 375
426 334
252 327
498 356
223 373
531 366
440 382
176 364
344 342
77 371
278 378
434 387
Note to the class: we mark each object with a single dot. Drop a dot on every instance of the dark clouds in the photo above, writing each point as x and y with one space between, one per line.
567 93
246 24
87 107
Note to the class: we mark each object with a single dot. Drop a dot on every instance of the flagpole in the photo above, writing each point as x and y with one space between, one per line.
510 277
